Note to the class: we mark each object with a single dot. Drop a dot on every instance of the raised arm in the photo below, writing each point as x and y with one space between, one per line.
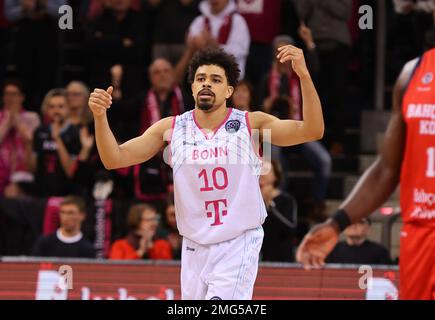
373 188
291 132
132 152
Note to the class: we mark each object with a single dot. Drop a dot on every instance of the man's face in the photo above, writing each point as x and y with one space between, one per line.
57 109
210 87
12 97
357 232
71 218
161 75
76 96
217 5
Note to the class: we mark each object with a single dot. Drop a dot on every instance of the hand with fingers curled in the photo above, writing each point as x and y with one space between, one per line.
100 100
296 56
317 245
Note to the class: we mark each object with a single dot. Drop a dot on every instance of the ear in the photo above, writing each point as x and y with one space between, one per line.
230 90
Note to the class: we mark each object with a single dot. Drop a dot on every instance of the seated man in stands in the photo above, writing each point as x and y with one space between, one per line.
356 249
68 241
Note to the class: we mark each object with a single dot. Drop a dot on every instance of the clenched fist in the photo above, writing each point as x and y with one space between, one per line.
296 56
100 100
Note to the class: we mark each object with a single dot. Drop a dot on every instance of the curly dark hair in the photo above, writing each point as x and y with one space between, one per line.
215 56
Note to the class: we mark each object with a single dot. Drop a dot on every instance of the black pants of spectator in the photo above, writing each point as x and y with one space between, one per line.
36 57
333 58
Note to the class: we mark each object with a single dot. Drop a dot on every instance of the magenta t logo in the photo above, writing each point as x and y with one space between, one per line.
216 213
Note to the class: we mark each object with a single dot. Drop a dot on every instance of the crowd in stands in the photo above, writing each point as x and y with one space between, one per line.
56 197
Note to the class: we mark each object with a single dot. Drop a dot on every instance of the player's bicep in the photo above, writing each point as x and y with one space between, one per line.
145 146
278 132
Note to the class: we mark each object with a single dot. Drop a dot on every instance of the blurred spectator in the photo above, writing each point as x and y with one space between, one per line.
56 144
264 22
169 229
94 8
280 225
328 20
243 96
16 130
131 117
68 241
35 50
282 98
356 249
172 21
119 36
421 17
220 25
77 94
141 241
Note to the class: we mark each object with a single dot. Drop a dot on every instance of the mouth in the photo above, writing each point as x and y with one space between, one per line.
205 94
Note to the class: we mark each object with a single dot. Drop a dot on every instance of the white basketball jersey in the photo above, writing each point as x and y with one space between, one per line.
216 187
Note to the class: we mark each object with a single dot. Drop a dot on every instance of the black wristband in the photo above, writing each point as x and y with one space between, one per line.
342 219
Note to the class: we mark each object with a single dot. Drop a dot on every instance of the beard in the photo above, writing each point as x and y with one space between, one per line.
207 104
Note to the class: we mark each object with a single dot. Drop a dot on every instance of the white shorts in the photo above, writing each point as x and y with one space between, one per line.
225 270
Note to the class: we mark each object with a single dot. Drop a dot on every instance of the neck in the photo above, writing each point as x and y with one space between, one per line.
211 119
16 108
69 233
355 242
75 117
162 93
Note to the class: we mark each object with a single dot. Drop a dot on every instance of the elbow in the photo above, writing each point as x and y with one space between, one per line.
111 165
317 134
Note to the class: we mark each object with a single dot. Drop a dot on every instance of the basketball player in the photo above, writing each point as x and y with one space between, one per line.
218 203
408 157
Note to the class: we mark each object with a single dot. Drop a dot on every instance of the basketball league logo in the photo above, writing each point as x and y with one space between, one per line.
232 126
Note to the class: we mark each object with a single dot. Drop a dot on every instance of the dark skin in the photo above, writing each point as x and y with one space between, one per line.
373 188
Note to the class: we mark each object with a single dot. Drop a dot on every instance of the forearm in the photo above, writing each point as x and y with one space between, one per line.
371 191
107 145
65 158
312 109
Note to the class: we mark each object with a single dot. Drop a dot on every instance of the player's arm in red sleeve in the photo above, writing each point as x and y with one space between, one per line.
373 188
132 152
291 132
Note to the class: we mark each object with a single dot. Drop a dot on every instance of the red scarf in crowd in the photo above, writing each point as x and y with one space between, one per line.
294 89
150 113
224 30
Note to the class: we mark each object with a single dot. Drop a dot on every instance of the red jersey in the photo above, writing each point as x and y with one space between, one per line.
417 190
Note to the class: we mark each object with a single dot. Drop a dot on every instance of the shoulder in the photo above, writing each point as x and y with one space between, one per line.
196 25
239 20
257 119
120 243
46 239
407 71
375 246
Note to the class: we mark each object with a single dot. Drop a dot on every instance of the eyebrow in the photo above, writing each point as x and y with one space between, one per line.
212 75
